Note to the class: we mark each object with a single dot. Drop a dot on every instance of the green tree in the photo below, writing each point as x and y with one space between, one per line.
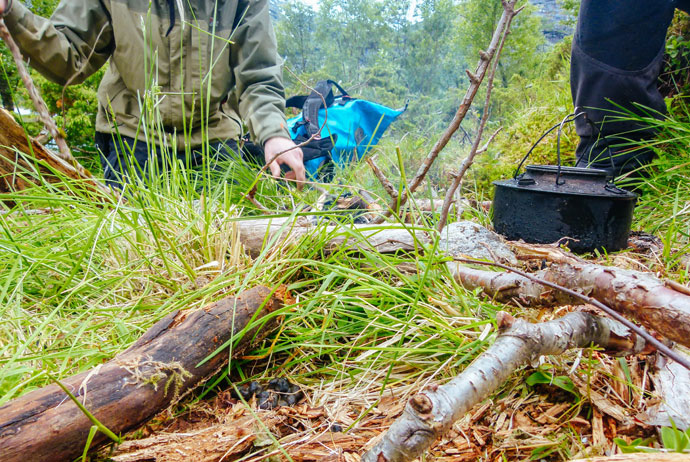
522 52
296 37
433 63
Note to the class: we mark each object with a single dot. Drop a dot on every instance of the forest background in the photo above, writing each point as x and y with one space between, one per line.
388 51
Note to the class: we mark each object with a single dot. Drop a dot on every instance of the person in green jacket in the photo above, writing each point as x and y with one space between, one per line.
203 68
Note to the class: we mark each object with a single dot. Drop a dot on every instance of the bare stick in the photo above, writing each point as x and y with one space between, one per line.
469 160
476 78
430 413
592 301
39 104
385 182
460 174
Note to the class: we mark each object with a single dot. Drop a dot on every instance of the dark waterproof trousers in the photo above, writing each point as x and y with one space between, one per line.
122 157
617 55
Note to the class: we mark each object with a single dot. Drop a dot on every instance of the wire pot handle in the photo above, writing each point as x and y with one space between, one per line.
567 119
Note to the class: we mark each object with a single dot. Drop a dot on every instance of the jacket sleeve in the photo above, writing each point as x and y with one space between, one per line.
70 46
258 74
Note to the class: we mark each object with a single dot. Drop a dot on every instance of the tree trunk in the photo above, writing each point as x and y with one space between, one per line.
24 162
124 393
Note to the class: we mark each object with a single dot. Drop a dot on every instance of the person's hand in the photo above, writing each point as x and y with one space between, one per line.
292 157
3 7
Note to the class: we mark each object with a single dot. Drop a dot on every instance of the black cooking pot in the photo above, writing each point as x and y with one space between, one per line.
580 207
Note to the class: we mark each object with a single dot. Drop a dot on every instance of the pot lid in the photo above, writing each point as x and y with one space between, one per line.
570 171
571 181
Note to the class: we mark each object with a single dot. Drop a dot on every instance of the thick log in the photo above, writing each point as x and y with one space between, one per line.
637 295
24 161
431 412
124 393
275 233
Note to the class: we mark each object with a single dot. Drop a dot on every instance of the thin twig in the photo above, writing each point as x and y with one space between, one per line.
476 79
592 301
385 182
38 102
457 180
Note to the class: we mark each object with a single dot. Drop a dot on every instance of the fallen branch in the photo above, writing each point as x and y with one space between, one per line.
275 233
476 78
636 295
576 295
25 162
124 393
430 413
39 104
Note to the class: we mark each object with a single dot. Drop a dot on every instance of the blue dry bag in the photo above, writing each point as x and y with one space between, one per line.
352 126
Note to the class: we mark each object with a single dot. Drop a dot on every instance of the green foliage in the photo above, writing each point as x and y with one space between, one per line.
525 109
384 51
636 445
672 439
296 34
675 79
675 440
561 381
519 55
74 108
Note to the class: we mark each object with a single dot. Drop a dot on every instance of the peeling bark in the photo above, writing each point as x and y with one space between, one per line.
24 162
134 386
637 295
430 413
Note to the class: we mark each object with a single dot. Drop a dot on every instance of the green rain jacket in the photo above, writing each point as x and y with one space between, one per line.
199 64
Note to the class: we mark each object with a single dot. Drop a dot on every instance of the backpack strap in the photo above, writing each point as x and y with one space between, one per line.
314 102
297 101
311 104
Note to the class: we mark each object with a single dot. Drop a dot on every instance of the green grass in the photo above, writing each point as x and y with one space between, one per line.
85 280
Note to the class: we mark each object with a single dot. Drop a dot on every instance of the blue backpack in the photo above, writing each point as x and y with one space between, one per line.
352 126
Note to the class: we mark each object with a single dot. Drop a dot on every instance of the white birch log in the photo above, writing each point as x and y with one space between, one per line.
430 413
637 295
259 234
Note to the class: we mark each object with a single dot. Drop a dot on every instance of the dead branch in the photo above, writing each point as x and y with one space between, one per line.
476 78
469 160
276 233
576 295
25 162
385 182
430 413
466 164
633 294
153 374
39 104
